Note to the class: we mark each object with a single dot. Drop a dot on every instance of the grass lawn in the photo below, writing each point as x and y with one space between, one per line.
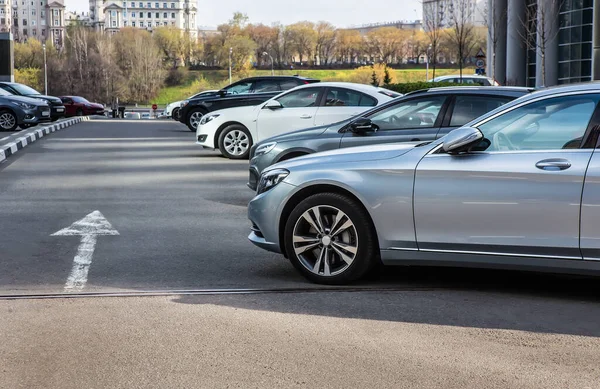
198 81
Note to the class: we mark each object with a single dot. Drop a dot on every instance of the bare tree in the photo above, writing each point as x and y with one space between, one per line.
433 18
493 20
461 32
540 28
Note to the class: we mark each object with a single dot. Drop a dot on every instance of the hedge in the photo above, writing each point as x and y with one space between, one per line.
415 86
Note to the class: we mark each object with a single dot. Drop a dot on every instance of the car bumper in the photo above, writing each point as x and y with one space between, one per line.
264 216
36 115
57 112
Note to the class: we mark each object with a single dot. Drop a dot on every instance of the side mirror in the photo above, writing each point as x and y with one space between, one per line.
222 92
461 139
362 126
273 105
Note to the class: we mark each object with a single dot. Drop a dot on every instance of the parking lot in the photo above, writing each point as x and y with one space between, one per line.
178 223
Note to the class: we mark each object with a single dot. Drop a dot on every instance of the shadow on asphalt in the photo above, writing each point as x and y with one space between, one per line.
543 303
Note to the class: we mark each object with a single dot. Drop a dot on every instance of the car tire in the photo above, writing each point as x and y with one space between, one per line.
79 112
193 119
8 121
235 142
350 253
175 114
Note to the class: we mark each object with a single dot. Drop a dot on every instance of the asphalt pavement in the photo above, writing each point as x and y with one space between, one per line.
137 207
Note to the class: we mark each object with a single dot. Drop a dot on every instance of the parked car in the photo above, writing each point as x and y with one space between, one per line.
79 106
249 91
57 109
234 130
172 109
518 188
419 116
467 79
21 111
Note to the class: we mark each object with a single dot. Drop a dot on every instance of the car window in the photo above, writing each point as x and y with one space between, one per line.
80 100
300 98
340 97
9 89
4 93
266 86
416 113
24 89
467 108
288 84
556 123
240 87
67 100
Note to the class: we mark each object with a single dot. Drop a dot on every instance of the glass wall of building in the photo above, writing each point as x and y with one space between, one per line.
575 37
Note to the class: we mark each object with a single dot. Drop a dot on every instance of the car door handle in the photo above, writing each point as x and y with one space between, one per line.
305 116
553 164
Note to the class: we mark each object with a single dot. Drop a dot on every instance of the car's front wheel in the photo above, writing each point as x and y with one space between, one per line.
8 121
235 142
194 119
175 114
329 239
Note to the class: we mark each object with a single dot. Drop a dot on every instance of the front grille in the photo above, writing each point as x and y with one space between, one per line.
252 179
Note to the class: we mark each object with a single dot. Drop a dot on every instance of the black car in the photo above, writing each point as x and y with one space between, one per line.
249 91
421 116
21 111
57 108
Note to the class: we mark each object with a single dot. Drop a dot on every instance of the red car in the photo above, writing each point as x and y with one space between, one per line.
78 106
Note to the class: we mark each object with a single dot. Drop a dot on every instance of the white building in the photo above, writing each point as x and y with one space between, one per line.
77 18
441 13
5 16
111 16
40 19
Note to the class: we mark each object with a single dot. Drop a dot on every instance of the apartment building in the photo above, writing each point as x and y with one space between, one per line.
441 13
40 19
111 16
5 16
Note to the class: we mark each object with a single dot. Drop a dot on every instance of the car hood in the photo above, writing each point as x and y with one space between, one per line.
25 99
346 155
51 99
235 112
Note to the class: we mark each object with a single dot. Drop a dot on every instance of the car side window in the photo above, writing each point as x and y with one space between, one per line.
340 97
550 124
467 108
288 84
239 88
266 86
300 98
415 113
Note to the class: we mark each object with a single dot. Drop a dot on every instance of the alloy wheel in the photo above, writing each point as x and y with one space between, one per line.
195 119
325 240
236 142
7 121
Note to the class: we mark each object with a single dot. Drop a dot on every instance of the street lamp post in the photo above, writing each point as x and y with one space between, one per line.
45 71
230 52
270 56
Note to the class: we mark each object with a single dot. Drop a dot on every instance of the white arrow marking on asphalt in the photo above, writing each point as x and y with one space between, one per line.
88 228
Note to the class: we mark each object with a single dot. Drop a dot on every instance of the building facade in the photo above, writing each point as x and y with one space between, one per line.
111 16
77 19
5 16
39 19
442 13
544 42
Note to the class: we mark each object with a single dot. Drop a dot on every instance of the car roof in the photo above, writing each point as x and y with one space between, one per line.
351 85
483 90
275 77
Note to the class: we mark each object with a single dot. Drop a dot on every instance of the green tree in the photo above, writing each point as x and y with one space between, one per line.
387 80
374 79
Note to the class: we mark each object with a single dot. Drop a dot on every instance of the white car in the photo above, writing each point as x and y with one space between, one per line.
233 131
467 80
172 110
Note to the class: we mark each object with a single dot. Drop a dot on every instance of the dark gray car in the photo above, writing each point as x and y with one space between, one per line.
416 117
21 111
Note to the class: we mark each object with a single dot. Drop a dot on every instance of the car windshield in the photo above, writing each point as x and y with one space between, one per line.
4 93
80 99
24 89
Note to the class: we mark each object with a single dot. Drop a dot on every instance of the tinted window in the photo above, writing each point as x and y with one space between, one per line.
80 100
240 87
24 89
300 98
467 108
288 84
66 100
555 123
339 97
416 113
266 86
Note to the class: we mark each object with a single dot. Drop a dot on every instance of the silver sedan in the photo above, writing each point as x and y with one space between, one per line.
517 188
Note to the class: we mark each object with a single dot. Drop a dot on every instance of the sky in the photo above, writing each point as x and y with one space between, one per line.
341 13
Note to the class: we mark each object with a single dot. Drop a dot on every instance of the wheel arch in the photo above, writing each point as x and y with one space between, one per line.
223 126
312 190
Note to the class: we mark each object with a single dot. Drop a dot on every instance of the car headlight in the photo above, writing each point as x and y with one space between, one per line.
24 105
269 179
184 103
265 148
207 118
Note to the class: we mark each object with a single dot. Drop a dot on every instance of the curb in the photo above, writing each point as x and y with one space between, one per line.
21 142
